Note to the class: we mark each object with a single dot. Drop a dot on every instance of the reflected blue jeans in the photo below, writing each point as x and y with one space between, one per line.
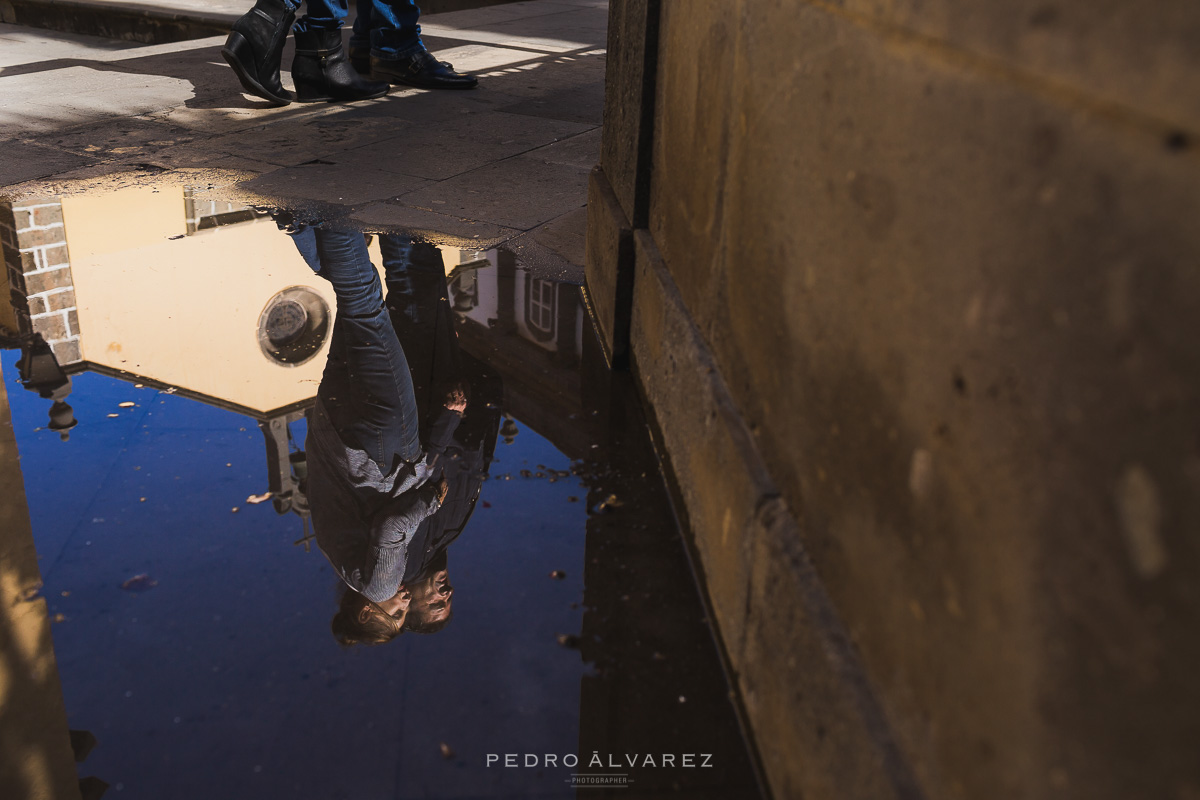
366 388
388 27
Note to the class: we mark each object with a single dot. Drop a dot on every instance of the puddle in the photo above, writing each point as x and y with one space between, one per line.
183 487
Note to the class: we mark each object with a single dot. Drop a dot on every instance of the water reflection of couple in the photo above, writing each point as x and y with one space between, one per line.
392 480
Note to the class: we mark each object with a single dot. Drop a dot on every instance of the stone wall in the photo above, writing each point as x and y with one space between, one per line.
914 301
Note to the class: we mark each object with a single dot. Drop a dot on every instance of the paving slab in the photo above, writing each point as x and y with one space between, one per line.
553 249
457 145
24 161
21 45
130 137
332 183
432 226
581 152
84 94
519 193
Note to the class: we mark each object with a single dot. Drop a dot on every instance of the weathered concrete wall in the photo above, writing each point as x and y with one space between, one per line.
916 307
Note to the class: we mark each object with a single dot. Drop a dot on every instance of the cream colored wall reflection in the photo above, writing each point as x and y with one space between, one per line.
184 310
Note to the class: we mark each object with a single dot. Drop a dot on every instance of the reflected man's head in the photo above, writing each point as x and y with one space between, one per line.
430 609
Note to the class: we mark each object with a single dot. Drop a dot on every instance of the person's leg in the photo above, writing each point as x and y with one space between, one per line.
321 69
399 56
360 38
369 395
323 15
394 29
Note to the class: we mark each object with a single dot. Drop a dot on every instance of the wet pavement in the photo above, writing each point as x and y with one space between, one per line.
192 607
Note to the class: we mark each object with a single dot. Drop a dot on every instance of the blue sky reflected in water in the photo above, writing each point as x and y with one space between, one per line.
223 680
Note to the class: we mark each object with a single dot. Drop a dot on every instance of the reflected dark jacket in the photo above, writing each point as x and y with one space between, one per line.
464 469
364 520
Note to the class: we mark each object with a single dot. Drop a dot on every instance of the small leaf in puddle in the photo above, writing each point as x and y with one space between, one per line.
139 583
113 415
126 404
558 574
255 499
607 504
234 509
568 640
447 752
59 618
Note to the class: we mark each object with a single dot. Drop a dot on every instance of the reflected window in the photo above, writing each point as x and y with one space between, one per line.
541 307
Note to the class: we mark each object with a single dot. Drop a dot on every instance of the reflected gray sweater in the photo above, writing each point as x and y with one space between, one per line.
363 518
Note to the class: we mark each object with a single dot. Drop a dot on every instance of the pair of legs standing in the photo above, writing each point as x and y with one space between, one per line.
386 43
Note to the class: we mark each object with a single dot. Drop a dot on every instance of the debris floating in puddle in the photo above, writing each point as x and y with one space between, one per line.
139 583
127 404
255 499
446 750
558 574
568 640
606 505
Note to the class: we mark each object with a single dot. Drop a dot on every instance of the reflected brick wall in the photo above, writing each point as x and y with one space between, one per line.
38 267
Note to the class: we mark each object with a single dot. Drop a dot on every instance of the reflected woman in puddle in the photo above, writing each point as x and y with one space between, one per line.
371 484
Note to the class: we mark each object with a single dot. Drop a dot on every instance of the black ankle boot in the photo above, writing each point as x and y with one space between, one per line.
321 70
419 68
255 46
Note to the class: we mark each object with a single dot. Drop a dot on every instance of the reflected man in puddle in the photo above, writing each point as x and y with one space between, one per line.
370 482
459 410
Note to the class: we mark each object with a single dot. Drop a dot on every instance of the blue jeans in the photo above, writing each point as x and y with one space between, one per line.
387 27
366 388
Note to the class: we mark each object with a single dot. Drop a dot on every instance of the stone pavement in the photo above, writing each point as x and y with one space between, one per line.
506 162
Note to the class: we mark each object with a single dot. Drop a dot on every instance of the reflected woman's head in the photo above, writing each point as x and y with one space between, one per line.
360 621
